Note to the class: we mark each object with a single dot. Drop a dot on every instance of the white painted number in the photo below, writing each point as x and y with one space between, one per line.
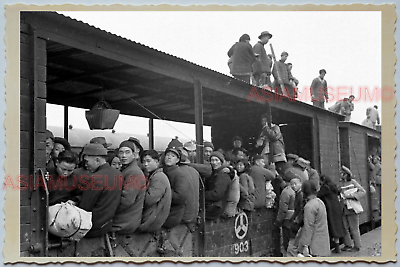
241 247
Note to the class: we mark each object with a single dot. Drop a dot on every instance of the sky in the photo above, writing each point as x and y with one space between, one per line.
345 43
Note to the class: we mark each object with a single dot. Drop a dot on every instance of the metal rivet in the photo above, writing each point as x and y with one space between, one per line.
34 209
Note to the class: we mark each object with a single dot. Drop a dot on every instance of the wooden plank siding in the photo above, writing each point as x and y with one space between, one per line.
329 147
33 75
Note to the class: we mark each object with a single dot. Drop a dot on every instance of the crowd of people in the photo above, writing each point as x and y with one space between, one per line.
131 189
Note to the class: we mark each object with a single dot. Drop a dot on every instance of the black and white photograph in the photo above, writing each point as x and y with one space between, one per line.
220 134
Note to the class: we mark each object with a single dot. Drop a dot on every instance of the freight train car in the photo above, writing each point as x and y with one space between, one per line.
70 63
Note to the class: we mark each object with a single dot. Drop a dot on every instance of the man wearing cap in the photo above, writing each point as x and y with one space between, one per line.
180 184
260 177
190 147
302 165
319 90
291 159
351 192
242 58
101 191
262 66
313 175
129 213
100 140
282 77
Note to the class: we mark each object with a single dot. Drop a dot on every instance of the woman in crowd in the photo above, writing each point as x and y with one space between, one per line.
329 193
113 159
247 189
314 239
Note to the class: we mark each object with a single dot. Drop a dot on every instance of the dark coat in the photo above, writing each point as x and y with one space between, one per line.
157 202
129 213
63 189
319 90
247 191
313 176
284 73
242 57
286 205
329 195
216 192
179 181
101 195
192 203
265 63
273 134
260 177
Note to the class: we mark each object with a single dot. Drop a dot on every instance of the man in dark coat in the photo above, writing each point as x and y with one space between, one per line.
179 187
157 201
129 213
216 187
101 191
262 66
260 177
242 58
319 90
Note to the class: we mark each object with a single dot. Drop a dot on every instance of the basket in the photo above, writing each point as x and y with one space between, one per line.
101 116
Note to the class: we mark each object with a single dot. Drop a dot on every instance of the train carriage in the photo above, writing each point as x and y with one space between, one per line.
70 63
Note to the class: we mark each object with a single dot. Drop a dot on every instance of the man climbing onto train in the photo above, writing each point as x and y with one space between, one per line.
129 213
262 66
319 90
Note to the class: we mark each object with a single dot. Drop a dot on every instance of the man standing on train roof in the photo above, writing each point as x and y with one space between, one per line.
242 58
282 77
319 90
129 213
344 107
372 117
100 140
262 66
101 191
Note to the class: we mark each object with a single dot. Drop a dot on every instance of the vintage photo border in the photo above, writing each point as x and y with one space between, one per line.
11 207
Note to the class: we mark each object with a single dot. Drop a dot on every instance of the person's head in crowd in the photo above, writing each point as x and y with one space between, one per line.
100 140
264 119
376 107
284 56
49 145
244 38
172 156
216 160
228 156
345 174
239 153
301 163
60 145
191 149
184 156
208 149
66 163
242 165
295 183
237 141
376 159
290 66
129 151
291 158
150 160
351 98
95 155
113 159
322 73
325 180
309 188
258 160
264 37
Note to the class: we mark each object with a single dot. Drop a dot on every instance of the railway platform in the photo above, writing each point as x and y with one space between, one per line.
371 245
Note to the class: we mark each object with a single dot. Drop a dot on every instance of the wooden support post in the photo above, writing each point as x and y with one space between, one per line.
151 133
66 126
198 117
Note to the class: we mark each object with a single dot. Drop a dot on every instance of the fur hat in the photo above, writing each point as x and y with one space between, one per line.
100 140
94 150
190 146
131 143
208 144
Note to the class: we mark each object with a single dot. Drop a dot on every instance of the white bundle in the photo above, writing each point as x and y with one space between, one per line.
68 221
